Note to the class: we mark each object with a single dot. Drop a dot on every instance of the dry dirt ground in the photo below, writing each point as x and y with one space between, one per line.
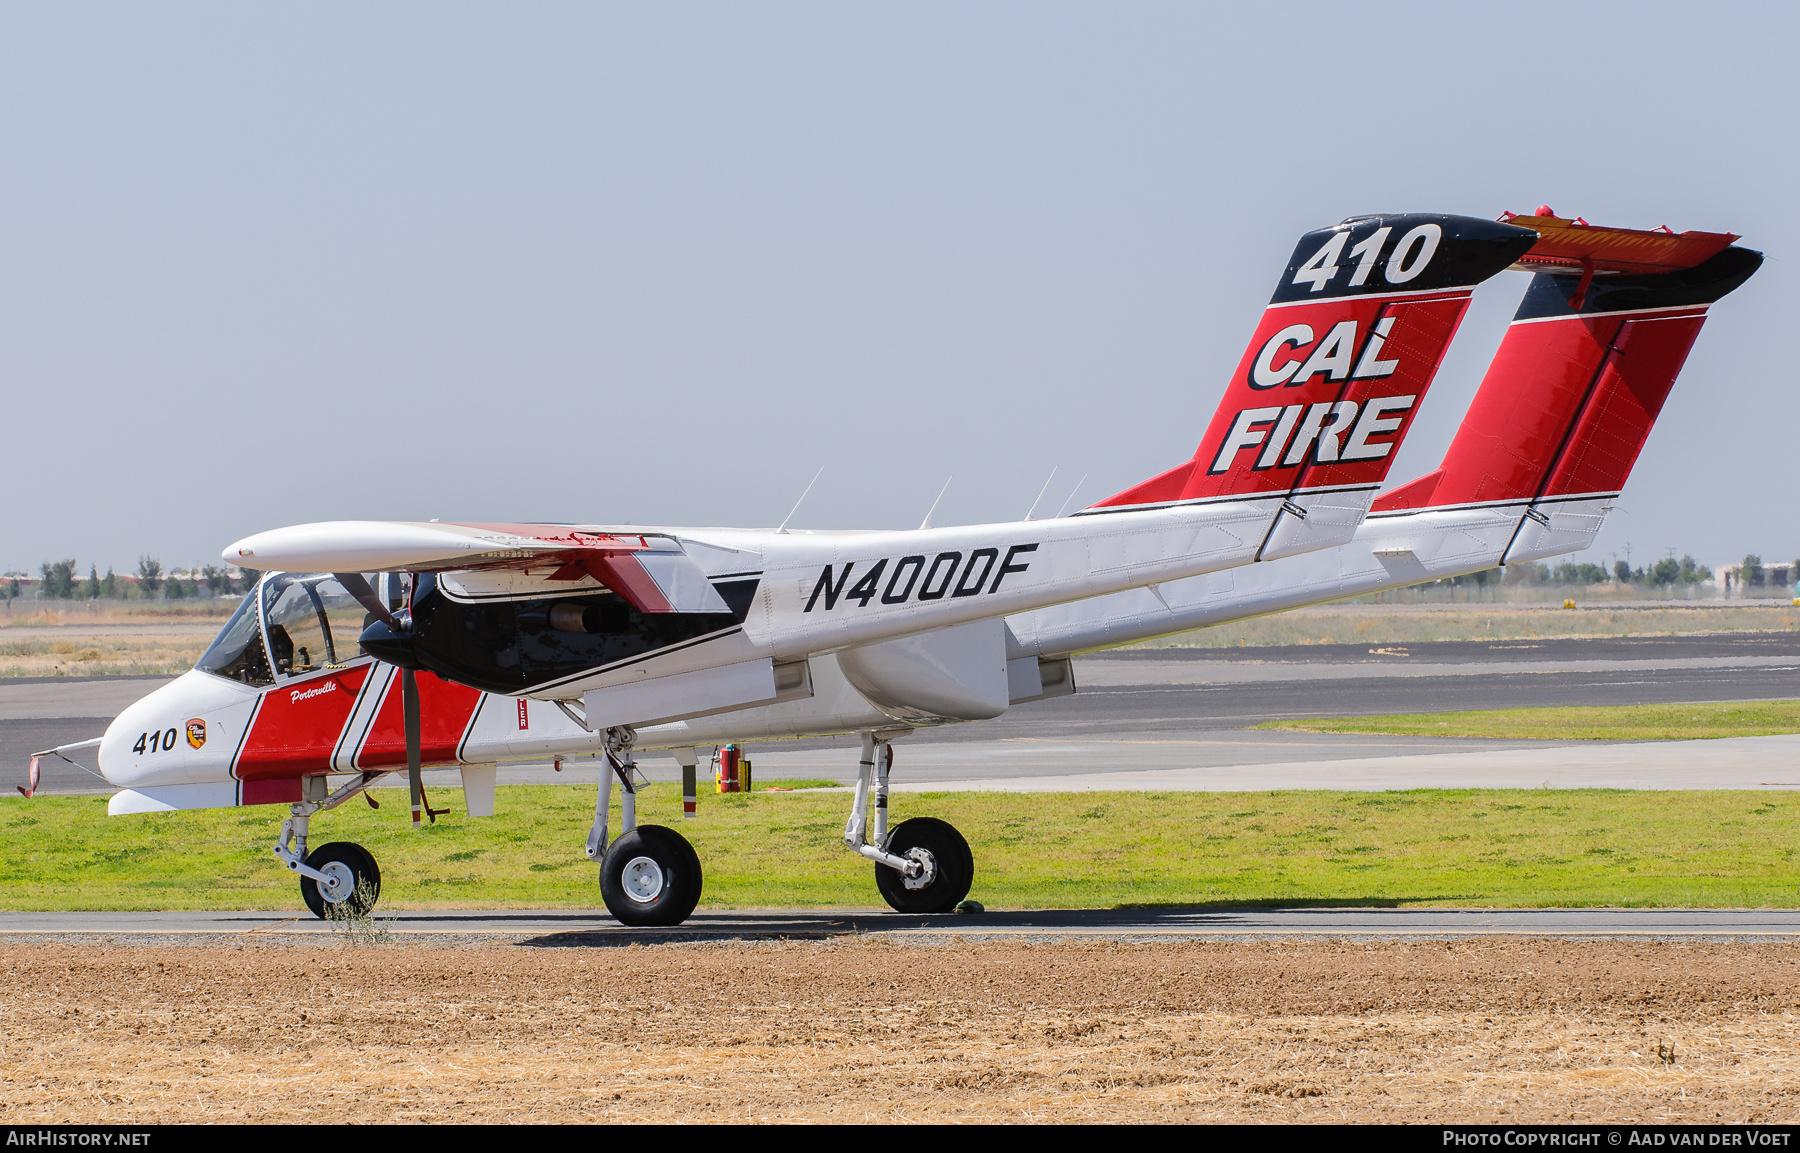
863 1030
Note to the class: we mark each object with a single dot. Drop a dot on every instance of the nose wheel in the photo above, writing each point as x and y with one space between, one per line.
650 876
946 871
351 884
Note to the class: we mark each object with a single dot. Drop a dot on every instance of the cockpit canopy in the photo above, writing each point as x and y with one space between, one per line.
292 624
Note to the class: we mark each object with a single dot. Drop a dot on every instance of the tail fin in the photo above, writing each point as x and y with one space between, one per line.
1572 393
1346 349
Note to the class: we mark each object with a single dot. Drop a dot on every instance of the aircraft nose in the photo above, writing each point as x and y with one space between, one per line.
184 732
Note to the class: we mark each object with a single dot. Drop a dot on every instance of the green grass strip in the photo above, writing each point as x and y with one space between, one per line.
1576 722
1434 847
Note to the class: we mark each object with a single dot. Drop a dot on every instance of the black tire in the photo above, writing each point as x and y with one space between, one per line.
954 867
365 880
650 876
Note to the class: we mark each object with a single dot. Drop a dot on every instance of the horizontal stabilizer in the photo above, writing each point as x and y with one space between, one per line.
1573 245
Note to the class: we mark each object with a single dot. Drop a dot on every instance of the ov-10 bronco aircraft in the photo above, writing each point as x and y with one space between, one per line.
607 635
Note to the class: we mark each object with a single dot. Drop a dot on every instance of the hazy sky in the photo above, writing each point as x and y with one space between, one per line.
658 263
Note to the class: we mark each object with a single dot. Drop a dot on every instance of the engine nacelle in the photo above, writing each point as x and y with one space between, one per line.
954 674
519 642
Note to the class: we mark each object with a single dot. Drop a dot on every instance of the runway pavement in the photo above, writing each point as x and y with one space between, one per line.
595 928
1177 718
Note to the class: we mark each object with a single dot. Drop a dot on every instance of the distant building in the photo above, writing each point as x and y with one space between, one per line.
1775 576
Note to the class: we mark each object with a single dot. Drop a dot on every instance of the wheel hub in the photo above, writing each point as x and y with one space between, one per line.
642 880
927 869
339 882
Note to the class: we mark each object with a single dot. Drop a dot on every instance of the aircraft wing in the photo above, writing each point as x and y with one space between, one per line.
650 571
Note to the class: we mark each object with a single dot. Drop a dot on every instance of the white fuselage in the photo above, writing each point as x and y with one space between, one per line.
1388 551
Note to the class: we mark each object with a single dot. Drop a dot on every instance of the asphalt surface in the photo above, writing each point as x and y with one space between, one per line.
1203 690
595 928
1138 709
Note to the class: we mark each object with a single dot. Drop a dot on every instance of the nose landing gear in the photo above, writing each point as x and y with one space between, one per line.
339 879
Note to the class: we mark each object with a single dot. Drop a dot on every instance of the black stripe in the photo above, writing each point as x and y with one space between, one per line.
598 669
463 745
1706 282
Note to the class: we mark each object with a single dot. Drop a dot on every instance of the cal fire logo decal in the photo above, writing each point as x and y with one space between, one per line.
196 733
1338 430
1330 357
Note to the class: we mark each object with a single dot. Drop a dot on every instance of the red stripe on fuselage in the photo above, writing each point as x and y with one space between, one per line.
297 725
445 709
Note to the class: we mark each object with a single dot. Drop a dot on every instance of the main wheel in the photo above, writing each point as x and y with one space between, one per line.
353 885
650 876
949 867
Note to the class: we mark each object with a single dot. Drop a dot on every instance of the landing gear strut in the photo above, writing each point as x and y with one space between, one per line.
339 879
924 864
649 875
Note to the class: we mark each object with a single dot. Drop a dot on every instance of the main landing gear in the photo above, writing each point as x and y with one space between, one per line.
924 864
336 880
649 876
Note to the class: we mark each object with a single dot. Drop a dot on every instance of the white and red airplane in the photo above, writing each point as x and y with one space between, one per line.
609 638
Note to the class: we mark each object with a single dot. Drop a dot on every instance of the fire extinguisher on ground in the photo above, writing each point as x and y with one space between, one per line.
731 771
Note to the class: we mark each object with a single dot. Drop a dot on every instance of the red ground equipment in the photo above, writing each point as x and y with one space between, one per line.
731 772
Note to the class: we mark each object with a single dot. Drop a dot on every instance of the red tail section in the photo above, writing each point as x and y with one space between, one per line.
1581 376
1345 352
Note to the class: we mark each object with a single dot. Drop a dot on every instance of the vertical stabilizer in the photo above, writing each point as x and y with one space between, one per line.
1570 397
1340 362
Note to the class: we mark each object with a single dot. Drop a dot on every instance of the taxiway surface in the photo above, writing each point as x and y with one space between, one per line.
595 928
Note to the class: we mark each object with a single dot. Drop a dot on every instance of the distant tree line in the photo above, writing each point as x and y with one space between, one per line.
61 580
1665 573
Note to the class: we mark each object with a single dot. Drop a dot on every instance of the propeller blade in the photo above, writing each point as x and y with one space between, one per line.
388 637
358 586
409 707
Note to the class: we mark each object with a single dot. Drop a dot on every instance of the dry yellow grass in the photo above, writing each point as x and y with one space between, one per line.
33 614
88 656
100 638
857 1030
